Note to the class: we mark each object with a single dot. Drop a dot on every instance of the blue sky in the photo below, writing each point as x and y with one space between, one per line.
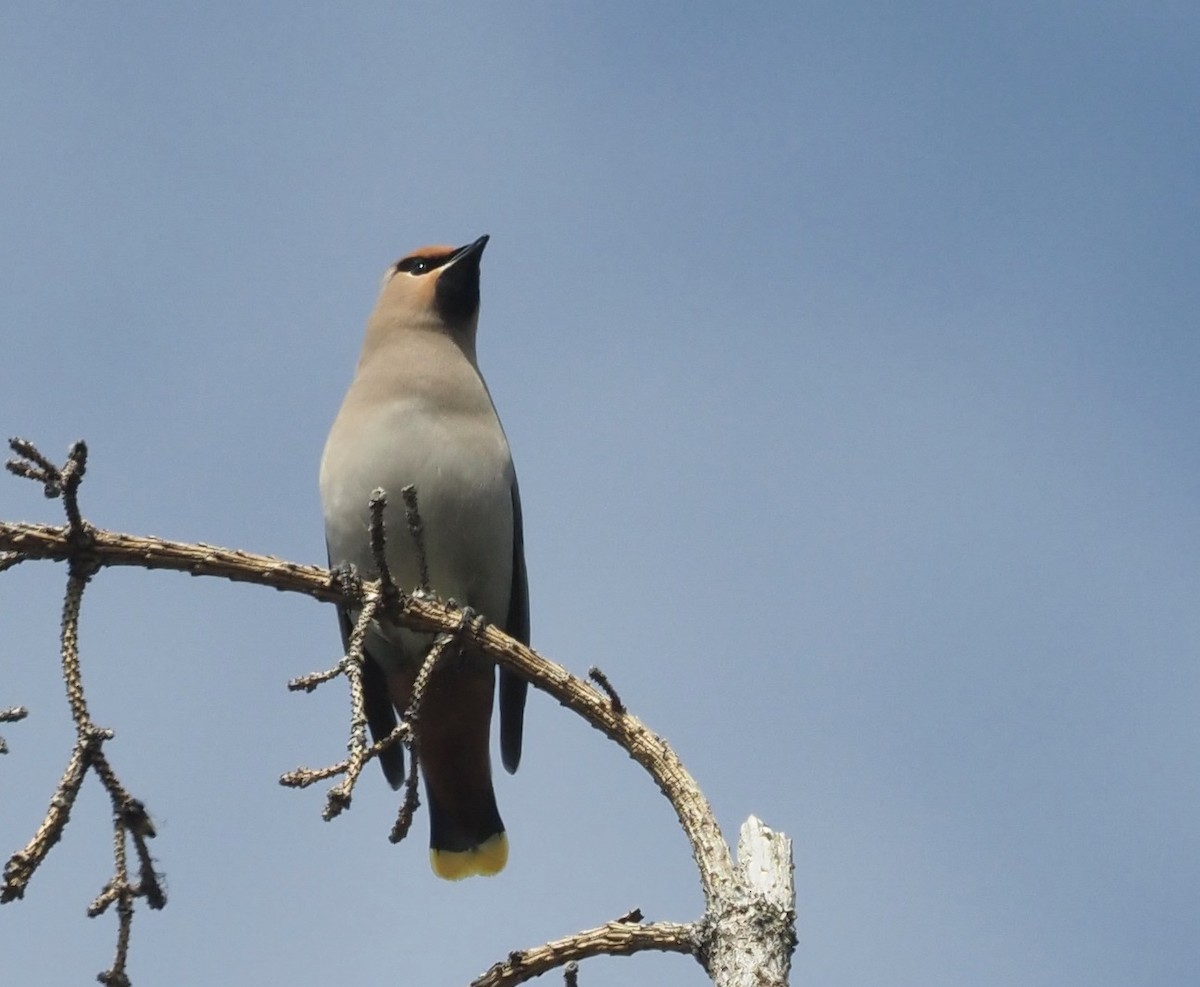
849 355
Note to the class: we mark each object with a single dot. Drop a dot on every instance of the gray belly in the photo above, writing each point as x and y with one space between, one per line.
463 477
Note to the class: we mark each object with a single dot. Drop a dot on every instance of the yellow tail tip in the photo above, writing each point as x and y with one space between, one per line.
486 859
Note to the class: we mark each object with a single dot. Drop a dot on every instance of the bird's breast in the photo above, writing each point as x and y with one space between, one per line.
461 469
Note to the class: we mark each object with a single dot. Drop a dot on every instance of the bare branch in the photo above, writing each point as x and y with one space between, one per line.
303 777
412 798
22 864
412 719
360 752
10 559
421 614
70 478
309 682
389 592
72 673
742 904
601 680
613 939
339 795
34 466
44 541
13 714
130 819
416 530
55 482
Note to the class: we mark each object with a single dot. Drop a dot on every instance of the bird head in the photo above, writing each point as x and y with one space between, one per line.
434 288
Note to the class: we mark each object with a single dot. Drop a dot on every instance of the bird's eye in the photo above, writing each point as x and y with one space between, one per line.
414 265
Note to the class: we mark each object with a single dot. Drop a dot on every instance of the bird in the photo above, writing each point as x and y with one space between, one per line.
419 413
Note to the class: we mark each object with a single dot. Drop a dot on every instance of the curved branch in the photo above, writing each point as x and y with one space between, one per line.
747 933
423 614
612 939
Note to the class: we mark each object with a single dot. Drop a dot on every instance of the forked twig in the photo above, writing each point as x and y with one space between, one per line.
130 819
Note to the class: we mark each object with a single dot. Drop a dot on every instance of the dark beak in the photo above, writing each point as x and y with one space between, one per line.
457 290
472 251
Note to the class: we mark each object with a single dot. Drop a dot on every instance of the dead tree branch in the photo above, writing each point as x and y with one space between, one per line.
746 936
13 714
618 938
130 819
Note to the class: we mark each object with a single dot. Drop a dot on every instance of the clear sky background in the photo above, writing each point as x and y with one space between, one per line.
850 357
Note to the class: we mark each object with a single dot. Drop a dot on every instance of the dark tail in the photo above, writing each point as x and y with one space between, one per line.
466 842
466 834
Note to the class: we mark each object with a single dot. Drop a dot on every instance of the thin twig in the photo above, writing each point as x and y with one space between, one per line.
303 777
72 672
22 864
308 683
601 680
416 530
117 890
412 798
71 476
10 559
441 645
359 750
13 714
34 466
388 590
412 717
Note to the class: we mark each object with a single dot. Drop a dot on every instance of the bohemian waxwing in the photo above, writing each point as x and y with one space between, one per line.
418 412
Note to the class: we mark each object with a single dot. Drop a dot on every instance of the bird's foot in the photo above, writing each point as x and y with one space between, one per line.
345 577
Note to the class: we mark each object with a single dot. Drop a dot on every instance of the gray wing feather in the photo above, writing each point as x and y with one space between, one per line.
513 688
